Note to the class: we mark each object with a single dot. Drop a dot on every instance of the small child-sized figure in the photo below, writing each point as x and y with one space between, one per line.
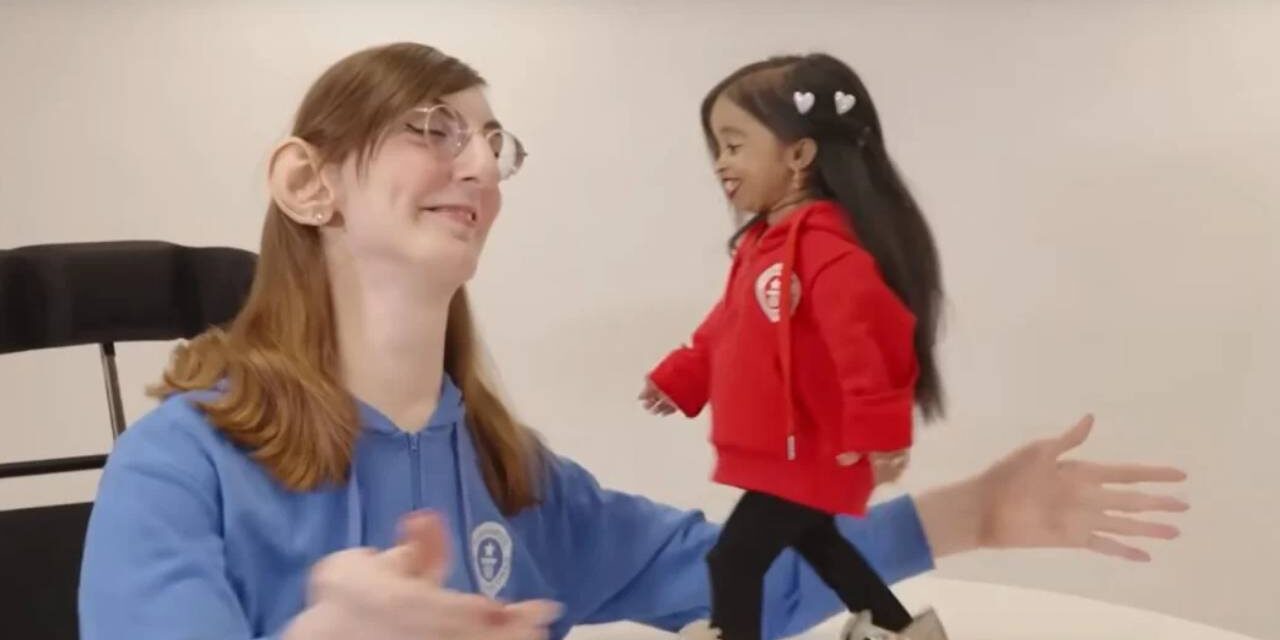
821 347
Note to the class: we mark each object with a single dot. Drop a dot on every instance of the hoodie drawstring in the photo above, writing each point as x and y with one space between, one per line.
355 510
784 329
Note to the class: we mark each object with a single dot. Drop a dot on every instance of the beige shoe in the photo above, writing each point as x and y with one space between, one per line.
925 626
699 630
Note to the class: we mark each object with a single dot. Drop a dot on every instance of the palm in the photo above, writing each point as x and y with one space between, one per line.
1036 499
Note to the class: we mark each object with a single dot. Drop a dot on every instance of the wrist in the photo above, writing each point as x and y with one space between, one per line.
954 516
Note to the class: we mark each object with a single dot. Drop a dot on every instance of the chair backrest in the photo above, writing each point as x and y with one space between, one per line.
92 293
59 295
40 550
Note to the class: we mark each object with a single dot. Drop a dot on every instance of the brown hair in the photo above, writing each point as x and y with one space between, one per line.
279 356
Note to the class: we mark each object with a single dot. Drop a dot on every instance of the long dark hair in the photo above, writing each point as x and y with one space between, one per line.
853 168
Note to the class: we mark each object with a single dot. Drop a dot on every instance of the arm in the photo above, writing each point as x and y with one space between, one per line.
1032 498
870 338
951 517
684 376
615 556
153 563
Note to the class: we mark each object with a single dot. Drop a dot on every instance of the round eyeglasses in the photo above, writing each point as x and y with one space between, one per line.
446 131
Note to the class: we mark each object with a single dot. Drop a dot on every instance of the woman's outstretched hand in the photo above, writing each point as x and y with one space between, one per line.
1033 498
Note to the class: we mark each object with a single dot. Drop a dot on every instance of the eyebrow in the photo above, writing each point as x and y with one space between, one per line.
491 125
732 131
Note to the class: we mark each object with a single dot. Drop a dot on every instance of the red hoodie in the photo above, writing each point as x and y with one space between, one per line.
791 391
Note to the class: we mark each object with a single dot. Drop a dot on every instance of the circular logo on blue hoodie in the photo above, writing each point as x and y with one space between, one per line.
491 557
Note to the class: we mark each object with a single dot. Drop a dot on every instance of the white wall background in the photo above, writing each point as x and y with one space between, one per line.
1100 176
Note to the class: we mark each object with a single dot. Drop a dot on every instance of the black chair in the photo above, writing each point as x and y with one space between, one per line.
80 294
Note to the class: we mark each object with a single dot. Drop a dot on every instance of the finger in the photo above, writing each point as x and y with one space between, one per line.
424 547
1109 547
1132 527
1073 437
538 613
1122 473
462 614
894 466
1133 501
897 458
515 632
848 458
528 620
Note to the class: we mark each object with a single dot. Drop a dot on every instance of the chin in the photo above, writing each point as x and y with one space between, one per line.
743 206
454 261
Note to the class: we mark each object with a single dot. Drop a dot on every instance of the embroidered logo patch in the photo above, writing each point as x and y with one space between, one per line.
491 557
769 292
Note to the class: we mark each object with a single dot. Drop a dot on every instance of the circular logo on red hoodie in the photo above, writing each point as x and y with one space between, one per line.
769 292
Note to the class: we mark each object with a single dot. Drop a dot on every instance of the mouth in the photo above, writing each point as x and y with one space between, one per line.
730 186
461 214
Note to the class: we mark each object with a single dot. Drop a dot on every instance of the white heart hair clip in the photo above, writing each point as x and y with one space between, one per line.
804 101
845 102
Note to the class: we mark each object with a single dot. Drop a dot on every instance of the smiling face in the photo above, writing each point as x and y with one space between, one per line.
756 169
413 205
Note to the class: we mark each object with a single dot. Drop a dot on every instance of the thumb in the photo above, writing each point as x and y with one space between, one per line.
424 546
1075 436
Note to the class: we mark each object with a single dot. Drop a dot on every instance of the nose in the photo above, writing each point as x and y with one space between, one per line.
720 165
476 162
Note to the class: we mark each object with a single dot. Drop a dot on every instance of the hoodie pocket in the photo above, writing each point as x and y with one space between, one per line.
749 412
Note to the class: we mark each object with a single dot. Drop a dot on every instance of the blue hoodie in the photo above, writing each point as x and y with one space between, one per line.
191 538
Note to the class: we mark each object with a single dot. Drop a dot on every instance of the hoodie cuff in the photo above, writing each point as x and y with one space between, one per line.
891 538
679 386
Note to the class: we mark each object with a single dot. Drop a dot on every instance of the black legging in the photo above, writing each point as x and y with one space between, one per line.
759 528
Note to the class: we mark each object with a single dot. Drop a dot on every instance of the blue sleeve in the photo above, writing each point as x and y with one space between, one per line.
153 563
615 556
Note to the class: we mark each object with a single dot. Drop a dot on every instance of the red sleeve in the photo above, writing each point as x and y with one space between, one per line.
870 337
684 376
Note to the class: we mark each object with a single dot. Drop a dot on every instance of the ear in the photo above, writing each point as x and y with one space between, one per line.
801 154
298 182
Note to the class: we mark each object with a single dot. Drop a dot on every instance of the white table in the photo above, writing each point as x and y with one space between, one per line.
968 609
